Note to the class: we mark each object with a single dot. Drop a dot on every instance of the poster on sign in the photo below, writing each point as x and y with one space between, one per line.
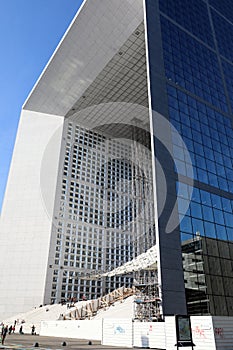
183 331
184 328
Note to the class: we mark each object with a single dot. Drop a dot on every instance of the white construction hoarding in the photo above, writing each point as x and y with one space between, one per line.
208 333
90 330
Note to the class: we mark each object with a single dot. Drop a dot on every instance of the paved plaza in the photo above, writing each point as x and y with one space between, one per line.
27 341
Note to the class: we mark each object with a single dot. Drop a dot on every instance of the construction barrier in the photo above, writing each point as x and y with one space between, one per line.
149 335
90 330
208 333
117 332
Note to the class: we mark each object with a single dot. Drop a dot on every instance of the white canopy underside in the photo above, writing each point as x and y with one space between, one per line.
147 260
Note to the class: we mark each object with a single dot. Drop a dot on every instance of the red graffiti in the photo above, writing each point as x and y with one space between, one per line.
199 332
218 332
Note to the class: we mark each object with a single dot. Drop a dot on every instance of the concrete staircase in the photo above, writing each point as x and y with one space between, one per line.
81 310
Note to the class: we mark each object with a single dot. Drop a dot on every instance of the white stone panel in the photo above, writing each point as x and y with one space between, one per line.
26 220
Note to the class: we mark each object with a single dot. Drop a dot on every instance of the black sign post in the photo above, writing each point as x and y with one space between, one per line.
183 332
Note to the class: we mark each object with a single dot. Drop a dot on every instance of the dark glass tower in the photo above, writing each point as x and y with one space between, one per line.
190 45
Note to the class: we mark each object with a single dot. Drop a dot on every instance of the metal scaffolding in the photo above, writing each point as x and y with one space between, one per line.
147 301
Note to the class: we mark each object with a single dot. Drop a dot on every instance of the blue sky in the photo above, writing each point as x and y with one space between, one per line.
30 31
